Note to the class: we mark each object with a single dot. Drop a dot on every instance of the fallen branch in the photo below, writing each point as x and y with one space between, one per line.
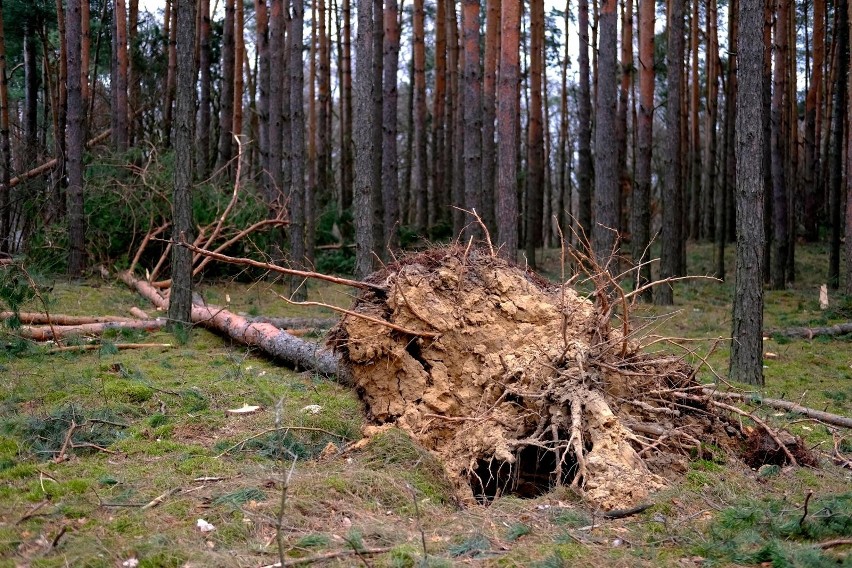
811 332
45 333
263 336
50 164
297 322
827 417
283 270
39 318
138 314
836 542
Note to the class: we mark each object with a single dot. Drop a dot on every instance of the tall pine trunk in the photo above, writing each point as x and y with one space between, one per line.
604 231
507 130
489 110
673 183
75 143
390 172
118 89
296 70
204 107
837 134
363 140
472 115
5 150
535 135
641 216
420 169
226 105
584 131
779 150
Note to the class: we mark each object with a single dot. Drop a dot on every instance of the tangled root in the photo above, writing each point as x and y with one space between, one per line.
518 385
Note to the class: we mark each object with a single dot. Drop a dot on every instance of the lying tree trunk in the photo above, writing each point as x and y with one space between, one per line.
297 323
266 337
48 332
827 417
38 318
119 346
811 332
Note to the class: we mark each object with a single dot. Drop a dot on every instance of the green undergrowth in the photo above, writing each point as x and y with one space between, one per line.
152 424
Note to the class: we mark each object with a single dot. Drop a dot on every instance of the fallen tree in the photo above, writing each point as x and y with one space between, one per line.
264 336
56 332
811 332
39 318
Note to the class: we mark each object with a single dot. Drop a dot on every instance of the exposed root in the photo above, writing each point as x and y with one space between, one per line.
518 385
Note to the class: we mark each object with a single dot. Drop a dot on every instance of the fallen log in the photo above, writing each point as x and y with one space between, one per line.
39 318
811 332
822 416
48 332
263 336
296 322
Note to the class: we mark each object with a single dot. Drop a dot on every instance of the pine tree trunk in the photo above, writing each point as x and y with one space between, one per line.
849 167
239 59
535 136
838 133
420 173
641 215
673 184
441 167
584 132
813 105
296 68
695 134
204 107
85 49
390 172
362 137
747 345
767 139
75 143
725 191
180 297
346 175
226 105
489 106
454 144
6 236
134 119
60 114
507 131
170 29
119 77
472 115
624 182
261 12
563 210
606 161
709 187
275 190
779 150
376 67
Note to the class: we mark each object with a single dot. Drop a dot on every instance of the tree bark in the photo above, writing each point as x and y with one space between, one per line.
346 173
390 171
363 141
626 66
604 231
297 145
134 118
507 130
694 229
709 186
118 88
673 184
641 217
813 106
420 173
473 115
849 167
780 182
274 180
6 233
725 191
746 364
226 105
535 136
376 131
204 108
489 105
239 59
180 304
584 131
838 134
75 143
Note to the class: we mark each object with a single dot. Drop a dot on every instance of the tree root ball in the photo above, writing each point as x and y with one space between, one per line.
518 385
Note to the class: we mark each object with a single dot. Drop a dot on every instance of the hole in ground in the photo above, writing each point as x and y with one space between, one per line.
530 476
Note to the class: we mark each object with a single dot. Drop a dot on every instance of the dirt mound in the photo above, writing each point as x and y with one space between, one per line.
516 384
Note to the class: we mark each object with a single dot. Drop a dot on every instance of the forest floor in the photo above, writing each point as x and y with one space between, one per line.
169 454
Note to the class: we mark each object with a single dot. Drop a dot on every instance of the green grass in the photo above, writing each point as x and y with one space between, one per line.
169 434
